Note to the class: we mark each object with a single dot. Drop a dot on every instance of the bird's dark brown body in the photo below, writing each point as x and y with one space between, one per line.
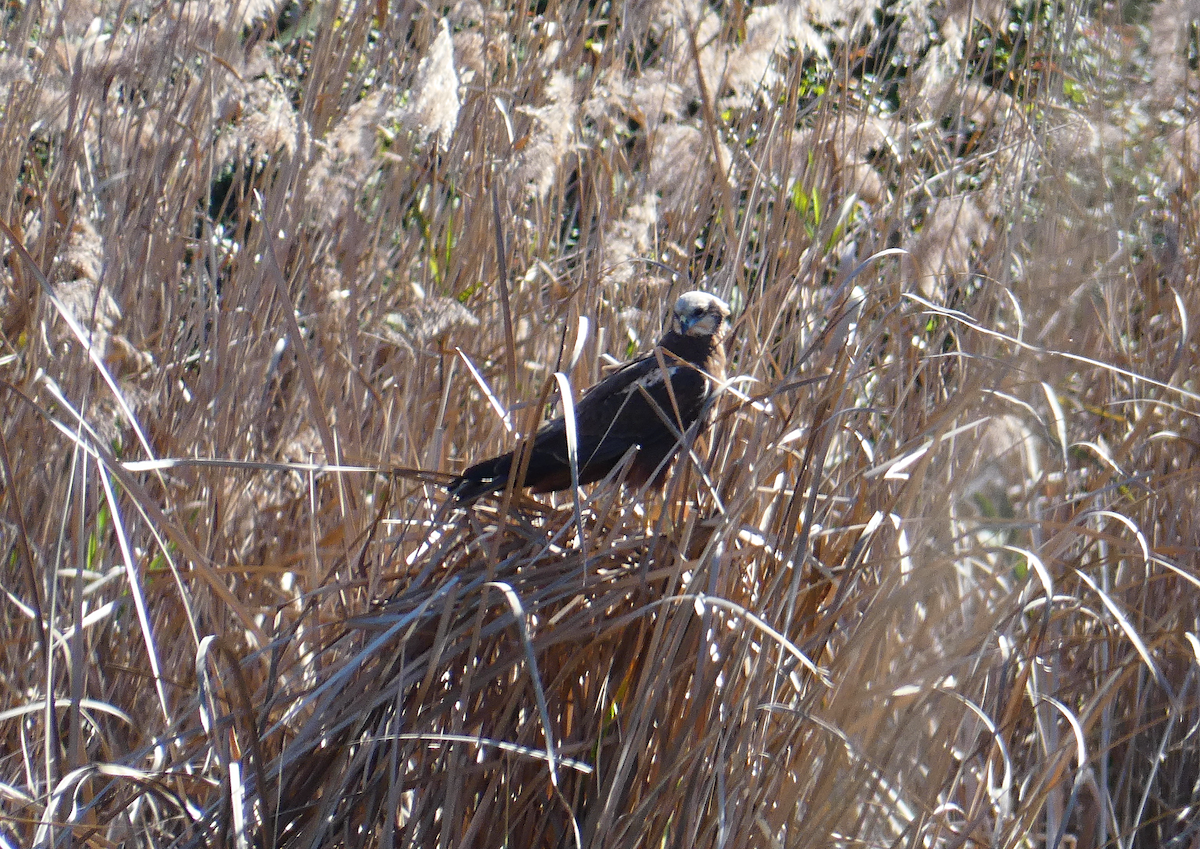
632 407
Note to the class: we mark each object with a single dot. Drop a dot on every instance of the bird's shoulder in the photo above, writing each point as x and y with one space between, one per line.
646 371
623 375
641 385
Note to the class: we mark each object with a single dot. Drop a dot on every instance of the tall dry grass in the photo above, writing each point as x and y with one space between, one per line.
272 271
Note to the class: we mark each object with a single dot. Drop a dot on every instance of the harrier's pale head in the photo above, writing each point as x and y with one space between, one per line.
701 314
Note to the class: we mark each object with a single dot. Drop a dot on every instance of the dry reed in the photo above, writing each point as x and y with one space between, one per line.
275 270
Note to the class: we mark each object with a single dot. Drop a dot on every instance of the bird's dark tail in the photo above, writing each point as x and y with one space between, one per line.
482 478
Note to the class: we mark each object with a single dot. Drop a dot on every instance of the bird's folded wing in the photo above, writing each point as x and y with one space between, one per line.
632 406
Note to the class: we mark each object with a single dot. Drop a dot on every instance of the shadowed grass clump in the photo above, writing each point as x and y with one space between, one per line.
274 272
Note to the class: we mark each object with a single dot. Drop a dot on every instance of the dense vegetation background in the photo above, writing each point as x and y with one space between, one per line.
273 270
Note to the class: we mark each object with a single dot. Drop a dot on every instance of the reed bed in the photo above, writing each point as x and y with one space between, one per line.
273 272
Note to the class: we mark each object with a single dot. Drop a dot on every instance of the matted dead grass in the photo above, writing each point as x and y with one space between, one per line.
274 272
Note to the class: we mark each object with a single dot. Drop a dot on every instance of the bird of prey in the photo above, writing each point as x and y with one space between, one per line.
648 405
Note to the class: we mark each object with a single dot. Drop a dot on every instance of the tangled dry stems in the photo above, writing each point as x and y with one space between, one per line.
929 578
